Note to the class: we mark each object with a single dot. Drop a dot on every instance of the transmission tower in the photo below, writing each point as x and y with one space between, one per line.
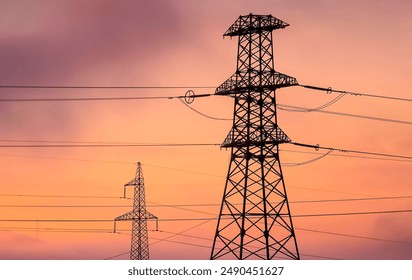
255 220
139 249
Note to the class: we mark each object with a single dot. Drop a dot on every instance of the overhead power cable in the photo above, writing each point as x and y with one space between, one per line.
179 206
352 213
308 161
102 230
330 90
207 219
317 147
316 109
100 87
382 156
62 196
352 199
64 206
291 108
202 114
354 236
180 97
191 171
188 97
209 247
348 156
167 238
192 145
184 170
108 145
85 99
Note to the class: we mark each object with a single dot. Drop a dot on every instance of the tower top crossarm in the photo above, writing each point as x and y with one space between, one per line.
254 24
138 179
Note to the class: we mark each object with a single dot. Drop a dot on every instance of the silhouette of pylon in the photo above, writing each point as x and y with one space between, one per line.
139 249
254 220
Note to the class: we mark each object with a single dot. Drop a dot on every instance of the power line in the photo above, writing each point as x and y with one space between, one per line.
87 99
315 231
329 191
119 162
330 90
179 206
180 242
64 206
187 145
189 96
180 97
101 230
308 161
207 219
296 201
183 170
83 230
181 232
351 199
58 220
317 147
184 235
202 114
355 236
191 171
118 255
353 213
100 87
131 144
69 159
319 257
119 98
208 247
95 231
335 234
71 142
316 109
56 230
348 156
184 231
291 108
108 145
62 196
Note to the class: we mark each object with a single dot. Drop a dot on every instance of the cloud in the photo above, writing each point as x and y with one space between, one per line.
82 33
94 42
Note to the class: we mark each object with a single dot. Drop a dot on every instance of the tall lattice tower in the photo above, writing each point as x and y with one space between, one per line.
254 220
139 249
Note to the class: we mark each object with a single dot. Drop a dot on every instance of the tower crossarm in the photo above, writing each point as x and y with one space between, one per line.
254 24
236 85
134 215
272 136
133 182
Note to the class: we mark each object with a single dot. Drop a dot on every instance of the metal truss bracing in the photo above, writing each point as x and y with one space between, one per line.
139 245
255 220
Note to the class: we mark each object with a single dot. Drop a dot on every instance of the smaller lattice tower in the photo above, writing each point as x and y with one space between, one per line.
139 249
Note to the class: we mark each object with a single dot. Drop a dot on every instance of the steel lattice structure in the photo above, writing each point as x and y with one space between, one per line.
139 215
255 220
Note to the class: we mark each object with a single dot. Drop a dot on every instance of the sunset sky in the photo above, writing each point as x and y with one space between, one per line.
360 46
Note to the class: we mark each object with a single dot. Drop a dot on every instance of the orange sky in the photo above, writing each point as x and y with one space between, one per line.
364 47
